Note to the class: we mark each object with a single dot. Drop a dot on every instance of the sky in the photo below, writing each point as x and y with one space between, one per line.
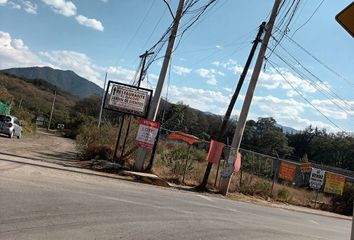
311 86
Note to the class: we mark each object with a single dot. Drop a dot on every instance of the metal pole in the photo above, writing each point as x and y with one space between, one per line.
316 199
51 112
151 162
185 166
225 121
125 140
118 138
103 94
139 162
227 172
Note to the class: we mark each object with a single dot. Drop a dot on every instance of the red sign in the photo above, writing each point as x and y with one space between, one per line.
147 133
237 165
215 151
190 139
287 171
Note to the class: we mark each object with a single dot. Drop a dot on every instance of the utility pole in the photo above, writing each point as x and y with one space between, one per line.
225 121
103 94
227 172
143 57
51 112
139 162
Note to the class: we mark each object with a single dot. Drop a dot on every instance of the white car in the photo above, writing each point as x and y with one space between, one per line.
10 126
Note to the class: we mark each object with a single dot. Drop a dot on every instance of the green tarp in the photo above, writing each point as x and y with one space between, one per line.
4 108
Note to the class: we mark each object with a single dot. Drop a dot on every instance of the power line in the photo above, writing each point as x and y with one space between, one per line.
324 86
300 94
318 7
314 84
320 62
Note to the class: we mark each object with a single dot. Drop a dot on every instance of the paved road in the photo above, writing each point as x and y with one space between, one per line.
43 203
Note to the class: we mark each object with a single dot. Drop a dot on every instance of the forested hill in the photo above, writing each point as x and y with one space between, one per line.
67 80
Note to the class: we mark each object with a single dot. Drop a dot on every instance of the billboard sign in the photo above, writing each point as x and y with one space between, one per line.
127 99
287 171
317 178
334 183
147 133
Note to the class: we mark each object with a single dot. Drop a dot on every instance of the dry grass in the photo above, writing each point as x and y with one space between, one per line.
254 186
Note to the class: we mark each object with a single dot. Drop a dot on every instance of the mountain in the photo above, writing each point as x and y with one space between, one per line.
65 80
287 130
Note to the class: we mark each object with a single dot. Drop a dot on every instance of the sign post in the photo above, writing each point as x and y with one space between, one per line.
287 171
147 133
334 183
317 178
316 181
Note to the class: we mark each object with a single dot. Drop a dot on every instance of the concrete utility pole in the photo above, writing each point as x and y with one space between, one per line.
51 112
227 172
139 162
225 121
101 110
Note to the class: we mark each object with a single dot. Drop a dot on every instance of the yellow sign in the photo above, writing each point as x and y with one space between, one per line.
287 171
334 183
346 19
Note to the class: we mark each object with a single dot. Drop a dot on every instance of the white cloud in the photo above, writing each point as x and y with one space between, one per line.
105 1
14 5
212 81
210 75
66 8
30 7
335 108
204 100
228 89
181 70
14 53
3 2
90 22
78 62
219 47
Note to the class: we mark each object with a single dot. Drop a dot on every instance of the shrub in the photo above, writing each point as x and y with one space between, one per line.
98 152
175 160
91 139
198 155
344 204
262 188
283 194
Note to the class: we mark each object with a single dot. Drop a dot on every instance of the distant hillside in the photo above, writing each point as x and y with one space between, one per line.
35 95
65 80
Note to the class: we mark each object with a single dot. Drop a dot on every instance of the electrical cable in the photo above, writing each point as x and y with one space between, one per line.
300 94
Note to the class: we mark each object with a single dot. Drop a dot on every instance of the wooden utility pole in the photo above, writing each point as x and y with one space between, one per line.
226 119
51 112
227 172
142 73
139 162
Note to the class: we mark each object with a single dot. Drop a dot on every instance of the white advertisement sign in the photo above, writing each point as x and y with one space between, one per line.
127 98
147 133
317 178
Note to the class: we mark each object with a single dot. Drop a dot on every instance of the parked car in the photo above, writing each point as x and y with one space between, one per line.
10 126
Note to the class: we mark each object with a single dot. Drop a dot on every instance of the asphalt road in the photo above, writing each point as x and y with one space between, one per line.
43 203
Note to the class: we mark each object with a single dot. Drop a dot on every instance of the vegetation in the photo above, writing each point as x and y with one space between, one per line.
30 99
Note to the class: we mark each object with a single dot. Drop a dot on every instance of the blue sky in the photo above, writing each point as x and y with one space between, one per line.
95 36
